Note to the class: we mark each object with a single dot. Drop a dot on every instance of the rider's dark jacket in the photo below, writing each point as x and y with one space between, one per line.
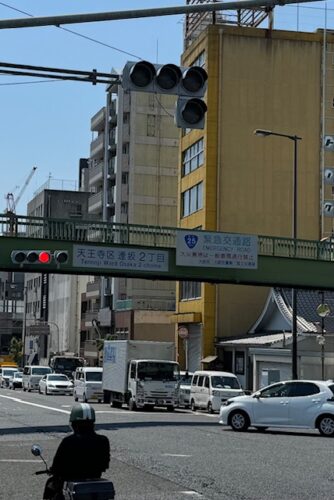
81 456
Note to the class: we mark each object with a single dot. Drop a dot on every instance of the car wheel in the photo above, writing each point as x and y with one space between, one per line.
210 409
326 426
132 405
24 389
193 406
239 421
170 408
29 388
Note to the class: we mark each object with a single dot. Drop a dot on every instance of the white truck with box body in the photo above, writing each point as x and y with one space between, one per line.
140 374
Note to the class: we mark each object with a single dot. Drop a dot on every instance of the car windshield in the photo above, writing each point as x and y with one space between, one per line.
18 375
94 376
158 371
8 372
40 370
58 377
331 388
221 382
185 379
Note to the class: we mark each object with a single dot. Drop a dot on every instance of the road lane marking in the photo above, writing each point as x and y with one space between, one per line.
174 455
190 492
19 460
35 404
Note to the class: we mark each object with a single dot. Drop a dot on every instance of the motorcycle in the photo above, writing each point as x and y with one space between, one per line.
89 489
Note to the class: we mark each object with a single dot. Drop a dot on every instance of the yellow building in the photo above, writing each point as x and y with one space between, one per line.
233 181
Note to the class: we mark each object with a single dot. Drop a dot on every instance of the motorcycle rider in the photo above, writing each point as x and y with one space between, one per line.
81 455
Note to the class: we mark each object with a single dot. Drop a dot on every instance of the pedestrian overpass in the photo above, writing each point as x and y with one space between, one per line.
131 250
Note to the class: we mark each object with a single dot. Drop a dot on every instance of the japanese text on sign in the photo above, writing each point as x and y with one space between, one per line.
202 248
120 258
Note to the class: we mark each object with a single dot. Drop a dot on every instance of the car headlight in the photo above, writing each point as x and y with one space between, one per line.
228 402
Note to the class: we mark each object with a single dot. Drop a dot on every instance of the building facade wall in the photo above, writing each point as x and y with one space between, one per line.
256 79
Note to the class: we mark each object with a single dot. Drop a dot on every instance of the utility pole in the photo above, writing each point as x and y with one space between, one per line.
135 14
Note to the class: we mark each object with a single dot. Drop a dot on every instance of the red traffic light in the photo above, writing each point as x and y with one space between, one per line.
44 257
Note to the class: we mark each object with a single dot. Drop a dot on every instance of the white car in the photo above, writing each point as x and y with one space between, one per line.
184 389
304 404
6 375
55 383
15 381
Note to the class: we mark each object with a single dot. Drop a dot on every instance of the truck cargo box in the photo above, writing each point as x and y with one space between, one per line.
118 353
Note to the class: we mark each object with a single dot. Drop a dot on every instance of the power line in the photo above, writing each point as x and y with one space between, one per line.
75 33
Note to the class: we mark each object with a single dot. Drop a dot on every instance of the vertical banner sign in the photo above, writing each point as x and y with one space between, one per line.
206 249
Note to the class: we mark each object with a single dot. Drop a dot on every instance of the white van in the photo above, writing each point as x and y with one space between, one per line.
32 374
88 384
209 389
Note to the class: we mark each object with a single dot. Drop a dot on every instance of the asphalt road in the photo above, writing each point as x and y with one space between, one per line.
159 455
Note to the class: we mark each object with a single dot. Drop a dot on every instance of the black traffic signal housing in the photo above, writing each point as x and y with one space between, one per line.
39 257
189 83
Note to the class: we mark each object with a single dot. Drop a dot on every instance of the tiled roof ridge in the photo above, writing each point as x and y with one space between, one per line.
286 310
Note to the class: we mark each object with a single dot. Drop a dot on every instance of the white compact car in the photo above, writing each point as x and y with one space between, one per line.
55 383
305 404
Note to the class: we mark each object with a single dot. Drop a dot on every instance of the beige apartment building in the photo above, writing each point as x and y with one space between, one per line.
132 178
233 181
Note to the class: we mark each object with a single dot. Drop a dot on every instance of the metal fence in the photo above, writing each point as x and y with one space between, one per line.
144 235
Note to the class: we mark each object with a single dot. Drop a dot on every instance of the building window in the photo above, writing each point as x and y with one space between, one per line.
190 290
200 60
125 178
124 208
192 200
239 363
151 125
193 157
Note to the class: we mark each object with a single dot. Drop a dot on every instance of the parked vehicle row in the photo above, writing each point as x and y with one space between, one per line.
87 383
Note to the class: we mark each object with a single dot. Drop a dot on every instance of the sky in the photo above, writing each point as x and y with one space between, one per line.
47 124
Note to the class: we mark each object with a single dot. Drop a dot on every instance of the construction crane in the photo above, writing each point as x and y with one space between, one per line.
13 202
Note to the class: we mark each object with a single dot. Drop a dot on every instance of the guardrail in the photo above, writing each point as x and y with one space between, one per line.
156 236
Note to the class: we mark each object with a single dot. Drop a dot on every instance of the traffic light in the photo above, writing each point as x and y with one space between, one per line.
190 113
189 83
39 257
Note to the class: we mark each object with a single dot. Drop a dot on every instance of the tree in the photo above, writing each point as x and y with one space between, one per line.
15 349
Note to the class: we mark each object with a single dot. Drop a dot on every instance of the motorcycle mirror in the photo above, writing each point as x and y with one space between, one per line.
36 450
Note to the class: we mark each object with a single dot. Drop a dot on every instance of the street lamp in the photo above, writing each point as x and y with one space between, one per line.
295 139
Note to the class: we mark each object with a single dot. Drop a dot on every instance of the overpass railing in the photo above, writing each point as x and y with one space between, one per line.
80 231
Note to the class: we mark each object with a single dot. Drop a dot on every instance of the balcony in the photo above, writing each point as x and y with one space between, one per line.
97 122
95 202
96 173
97 147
